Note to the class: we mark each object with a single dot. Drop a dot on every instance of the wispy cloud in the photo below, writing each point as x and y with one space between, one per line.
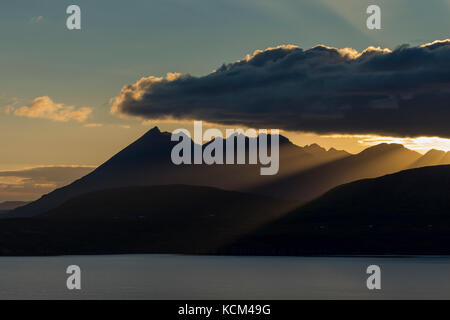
93 125
36 19
46 108
8 104
421 144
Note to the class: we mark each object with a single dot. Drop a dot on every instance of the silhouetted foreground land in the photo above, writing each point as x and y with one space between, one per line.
163 219
403 213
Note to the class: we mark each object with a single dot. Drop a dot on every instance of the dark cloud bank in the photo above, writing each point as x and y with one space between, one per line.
404 92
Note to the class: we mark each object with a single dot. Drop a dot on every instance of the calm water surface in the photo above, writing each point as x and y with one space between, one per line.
212 277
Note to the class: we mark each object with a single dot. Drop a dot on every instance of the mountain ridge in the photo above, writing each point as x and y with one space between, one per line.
304 174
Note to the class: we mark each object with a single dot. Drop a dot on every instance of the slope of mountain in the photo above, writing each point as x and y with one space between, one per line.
372 162
10 205
170 218
403 213
431 158
446 158
147 161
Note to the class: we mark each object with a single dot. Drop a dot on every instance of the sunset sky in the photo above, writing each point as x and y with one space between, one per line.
57 86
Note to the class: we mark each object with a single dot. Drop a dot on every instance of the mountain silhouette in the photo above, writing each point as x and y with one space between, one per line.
372 162
147 162
305 172
403 213
431 158
446 158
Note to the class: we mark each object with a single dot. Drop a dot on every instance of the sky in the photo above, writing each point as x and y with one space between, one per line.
76 74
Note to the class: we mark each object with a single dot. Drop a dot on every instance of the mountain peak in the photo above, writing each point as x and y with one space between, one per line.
434 152
314 148
386 147
333 150
155 129
431 158
154 133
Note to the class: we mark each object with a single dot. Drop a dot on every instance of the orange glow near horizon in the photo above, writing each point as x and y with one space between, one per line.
355 143
419 144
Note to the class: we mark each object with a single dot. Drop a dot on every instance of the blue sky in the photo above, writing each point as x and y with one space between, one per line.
122 41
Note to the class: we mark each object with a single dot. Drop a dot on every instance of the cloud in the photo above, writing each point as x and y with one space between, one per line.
99 125
401 92
421 144
36 19
8 109
31 183
93 125
45 108
8 104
